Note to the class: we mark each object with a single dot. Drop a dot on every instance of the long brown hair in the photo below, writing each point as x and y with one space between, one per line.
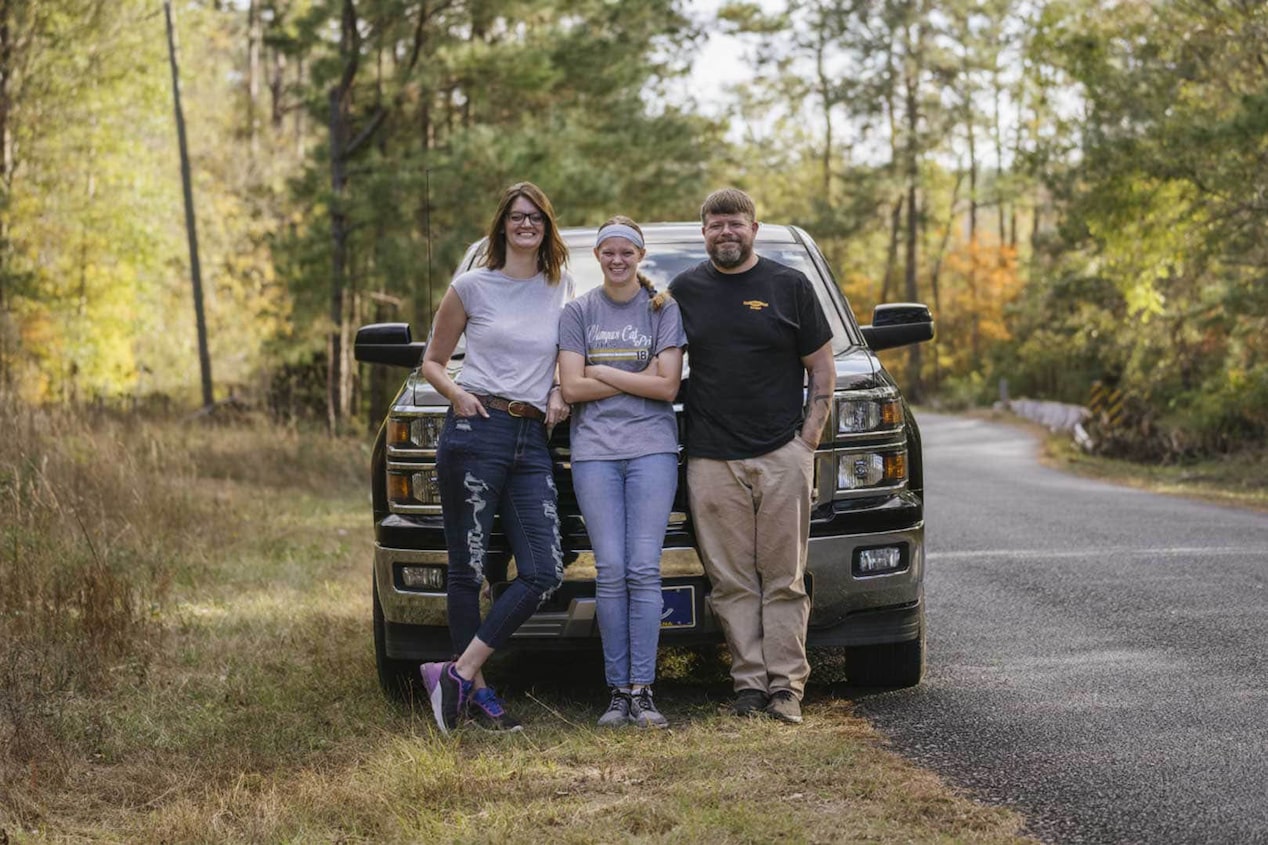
658 299
552 255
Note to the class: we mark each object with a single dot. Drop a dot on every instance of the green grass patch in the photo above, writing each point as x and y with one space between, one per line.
185 637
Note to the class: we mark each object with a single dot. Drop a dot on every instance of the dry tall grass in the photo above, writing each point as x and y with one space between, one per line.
186 657
101 515
83 578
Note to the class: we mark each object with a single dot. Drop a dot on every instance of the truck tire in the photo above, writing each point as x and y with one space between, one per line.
887 665
398 678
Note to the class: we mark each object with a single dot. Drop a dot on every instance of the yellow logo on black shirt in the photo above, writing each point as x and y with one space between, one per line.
755 304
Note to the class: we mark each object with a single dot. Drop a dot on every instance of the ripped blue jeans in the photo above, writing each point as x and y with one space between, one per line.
497 466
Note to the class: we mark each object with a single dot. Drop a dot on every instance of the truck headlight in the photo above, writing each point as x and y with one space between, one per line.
860 470
415 432
861 414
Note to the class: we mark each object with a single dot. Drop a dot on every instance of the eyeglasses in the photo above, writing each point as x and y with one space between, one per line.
518 217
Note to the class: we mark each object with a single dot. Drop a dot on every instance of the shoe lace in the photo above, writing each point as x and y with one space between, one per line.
644 698
488 701
620 700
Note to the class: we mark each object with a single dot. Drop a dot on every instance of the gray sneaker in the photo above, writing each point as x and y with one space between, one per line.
749 702
643 710
618 712
785 707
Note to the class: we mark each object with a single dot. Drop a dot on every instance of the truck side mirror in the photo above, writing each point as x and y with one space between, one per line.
898 324
388 343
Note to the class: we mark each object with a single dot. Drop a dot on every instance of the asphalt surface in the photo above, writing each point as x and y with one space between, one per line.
1096 654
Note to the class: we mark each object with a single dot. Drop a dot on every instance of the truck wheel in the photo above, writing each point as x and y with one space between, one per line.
887 665
396 677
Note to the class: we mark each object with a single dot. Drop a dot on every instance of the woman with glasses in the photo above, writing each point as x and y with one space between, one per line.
620 362
492 458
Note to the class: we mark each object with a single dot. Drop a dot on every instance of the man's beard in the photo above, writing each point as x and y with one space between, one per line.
730 254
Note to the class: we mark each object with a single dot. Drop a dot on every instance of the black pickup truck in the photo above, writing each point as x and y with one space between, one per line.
866 556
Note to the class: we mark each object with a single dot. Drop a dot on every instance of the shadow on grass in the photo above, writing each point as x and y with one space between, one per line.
693 684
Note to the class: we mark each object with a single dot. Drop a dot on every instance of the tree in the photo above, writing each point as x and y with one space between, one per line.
434 107
1164 204
195 267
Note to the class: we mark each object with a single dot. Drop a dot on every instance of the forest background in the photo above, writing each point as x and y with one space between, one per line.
1075 187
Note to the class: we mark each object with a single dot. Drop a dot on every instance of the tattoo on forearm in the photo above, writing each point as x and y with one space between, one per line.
819 408
817 405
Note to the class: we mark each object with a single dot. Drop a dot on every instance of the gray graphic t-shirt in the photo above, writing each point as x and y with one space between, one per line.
627 336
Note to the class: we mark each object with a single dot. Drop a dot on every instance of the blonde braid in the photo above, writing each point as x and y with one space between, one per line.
658 299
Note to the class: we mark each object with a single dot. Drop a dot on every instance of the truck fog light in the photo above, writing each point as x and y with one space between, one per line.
430 578
878 560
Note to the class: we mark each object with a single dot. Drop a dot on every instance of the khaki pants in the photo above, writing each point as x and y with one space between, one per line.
752 521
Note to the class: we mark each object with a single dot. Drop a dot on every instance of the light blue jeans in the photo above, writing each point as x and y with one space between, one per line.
626 506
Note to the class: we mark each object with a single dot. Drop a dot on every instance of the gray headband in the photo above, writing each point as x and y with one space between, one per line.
619 230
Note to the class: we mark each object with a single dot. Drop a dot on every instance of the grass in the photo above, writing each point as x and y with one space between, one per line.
186 657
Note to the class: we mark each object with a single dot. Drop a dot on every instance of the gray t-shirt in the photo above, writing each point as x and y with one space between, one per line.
625 335
512 333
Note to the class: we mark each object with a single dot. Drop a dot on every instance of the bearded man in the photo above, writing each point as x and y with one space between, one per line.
755 334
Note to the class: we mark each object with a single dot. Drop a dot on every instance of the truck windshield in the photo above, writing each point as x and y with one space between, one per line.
664 261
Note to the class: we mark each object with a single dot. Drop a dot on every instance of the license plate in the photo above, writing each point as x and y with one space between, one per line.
679 609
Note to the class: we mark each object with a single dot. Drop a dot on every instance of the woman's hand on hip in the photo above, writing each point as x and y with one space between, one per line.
466 405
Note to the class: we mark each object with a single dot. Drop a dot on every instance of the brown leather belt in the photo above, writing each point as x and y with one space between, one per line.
514 407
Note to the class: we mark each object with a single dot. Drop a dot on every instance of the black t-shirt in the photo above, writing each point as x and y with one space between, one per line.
746 335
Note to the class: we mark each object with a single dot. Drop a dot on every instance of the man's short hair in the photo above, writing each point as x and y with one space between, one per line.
728 201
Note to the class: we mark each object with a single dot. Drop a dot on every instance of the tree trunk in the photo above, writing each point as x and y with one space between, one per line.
191 228
6 181
297 122
911 72
422 294
277 91
914 392
340 149
338 261
895 156
891 257
254 44
974 326
999 161
936 272
825 190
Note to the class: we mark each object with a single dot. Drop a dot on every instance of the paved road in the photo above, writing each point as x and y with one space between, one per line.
1097 654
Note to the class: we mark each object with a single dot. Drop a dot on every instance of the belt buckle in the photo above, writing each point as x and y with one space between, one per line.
516 408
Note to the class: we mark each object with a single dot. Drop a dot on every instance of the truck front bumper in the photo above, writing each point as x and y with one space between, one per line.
849 607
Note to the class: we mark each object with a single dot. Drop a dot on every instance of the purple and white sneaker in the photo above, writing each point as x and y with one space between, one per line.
448 691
